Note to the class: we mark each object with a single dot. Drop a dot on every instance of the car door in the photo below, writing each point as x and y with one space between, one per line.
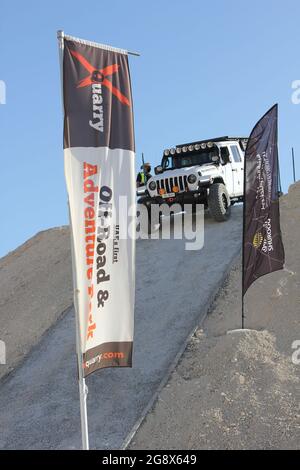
226 169
237 166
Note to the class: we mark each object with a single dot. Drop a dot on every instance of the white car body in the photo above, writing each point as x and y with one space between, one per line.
231 174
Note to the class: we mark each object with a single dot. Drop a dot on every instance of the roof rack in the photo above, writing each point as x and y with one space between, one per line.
217 139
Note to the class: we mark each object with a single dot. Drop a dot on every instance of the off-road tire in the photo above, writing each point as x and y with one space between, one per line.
219 202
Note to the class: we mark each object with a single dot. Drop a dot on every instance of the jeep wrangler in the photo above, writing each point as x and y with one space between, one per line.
208 172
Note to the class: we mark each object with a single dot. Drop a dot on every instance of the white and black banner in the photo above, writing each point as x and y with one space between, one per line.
99 168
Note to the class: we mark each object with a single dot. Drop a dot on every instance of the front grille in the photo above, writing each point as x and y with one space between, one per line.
168 183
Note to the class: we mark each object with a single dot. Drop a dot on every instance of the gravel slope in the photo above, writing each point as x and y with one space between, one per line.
39 406
238 390
35 290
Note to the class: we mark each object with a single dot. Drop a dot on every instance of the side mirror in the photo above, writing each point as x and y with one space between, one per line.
158 170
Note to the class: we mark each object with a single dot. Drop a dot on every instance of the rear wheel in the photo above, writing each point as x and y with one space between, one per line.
219 202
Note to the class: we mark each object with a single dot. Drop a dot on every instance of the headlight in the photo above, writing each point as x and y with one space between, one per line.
172 151
191 148
184 148
210 145
152 185
197 147
166 152
192 179
203 146
178 150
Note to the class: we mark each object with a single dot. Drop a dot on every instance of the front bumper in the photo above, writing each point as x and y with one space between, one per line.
188 197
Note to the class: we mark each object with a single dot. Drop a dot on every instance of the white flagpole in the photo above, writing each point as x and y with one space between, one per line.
83 390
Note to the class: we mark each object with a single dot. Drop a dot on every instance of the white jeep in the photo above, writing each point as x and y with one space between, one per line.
209 172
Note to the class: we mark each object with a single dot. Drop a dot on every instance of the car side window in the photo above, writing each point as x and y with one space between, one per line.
236 154
167 162
225 155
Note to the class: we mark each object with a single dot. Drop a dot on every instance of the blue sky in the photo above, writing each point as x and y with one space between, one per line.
207 68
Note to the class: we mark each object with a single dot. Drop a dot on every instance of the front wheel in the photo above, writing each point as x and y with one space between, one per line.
219 202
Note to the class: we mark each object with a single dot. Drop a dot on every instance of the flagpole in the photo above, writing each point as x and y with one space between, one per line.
143 163
101 46
243 314
293 161
243 237
83 390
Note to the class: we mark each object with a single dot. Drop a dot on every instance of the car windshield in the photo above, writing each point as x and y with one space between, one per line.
183 160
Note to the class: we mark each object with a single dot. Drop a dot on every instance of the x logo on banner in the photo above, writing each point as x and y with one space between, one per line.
99 76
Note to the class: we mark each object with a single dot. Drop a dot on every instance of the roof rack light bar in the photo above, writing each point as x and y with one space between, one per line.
217 139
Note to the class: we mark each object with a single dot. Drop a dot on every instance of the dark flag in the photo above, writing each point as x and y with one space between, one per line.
263 250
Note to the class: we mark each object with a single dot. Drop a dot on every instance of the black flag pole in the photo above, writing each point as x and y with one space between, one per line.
279 178
243 237
243 313
293 162
143 163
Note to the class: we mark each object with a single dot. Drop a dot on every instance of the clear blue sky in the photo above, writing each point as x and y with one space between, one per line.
207 68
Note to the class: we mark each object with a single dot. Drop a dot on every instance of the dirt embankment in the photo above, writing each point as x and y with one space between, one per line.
36 276
239 390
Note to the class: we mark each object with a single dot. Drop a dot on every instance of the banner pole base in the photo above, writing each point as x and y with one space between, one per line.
243 314
83 392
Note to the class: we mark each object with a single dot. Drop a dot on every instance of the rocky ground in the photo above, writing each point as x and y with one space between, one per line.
39 400
234 389
35 290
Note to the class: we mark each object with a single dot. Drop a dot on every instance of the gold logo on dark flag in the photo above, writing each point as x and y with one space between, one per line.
257 240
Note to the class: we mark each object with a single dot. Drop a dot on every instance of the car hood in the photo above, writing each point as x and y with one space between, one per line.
208 168
204 169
